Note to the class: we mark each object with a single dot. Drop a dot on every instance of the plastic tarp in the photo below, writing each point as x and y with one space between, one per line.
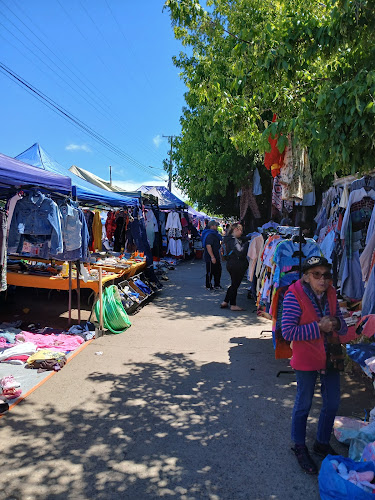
167 200
38 157
15 173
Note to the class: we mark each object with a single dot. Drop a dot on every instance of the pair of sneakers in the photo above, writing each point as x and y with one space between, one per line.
217 288
304 459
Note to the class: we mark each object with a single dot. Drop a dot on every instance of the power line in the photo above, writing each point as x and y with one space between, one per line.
104 64
124 36
104 113
76 121
69 68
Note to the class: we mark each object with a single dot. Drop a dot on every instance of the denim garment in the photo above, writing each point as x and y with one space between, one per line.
83 252
352 285
36 215
330 389
71 227
368 301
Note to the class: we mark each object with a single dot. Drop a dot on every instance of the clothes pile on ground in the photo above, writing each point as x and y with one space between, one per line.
41 349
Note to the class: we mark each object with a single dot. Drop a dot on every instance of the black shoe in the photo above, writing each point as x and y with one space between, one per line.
306 463
322 450
218 288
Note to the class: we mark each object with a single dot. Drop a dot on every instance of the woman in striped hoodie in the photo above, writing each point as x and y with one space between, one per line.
313 322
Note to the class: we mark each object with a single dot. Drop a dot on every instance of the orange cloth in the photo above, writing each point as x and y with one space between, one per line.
97 231
274 159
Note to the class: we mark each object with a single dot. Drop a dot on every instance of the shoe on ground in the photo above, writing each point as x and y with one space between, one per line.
322 450
304 459
218 287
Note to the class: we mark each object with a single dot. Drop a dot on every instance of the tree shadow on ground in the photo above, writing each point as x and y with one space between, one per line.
185 297
167 428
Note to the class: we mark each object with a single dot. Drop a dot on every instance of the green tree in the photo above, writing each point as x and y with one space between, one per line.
310 62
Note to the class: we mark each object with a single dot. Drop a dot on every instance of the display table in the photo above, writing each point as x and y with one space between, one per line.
60 283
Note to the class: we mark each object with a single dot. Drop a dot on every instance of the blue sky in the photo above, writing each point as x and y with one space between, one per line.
109 63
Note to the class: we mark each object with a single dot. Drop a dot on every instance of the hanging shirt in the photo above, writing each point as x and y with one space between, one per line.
257 186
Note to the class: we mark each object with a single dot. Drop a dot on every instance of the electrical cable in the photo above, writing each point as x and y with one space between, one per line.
105 113
76 120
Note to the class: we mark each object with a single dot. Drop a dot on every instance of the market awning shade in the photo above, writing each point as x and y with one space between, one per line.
85 191
15 173
167 200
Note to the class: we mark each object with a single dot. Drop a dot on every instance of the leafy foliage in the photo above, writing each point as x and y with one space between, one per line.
310 62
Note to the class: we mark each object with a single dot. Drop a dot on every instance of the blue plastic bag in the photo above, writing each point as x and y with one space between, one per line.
333 487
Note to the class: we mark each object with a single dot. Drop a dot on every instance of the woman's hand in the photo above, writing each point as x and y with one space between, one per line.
327 324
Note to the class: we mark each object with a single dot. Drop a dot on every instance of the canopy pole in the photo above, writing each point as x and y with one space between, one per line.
101 326
70 294
78 292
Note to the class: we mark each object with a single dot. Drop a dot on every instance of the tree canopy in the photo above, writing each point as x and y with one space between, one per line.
310 62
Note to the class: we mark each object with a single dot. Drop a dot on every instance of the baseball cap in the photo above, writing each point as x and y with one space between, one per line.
212 222
315 262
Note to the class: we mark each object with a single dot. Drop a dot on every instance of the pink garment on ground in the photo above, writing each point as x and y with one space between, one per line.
4 343
60 342
21 357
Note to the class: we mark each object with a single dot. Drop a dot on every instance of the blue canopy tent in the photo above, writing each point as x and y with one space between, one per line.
15 173
167 200
85 191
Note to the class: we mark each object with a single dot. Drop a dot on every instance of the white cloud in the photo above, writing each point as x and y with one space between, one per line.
78 147
157 140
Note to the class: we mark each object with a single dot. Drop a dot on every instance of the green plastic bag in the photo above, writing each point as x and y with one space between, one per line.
115 318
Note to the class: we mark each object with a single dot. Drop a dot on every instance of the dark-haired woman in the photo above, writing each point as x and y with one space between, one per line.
236 256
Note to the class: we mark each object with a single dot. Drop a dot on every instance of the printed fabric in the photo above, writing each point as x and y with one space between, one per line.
277 201
248 201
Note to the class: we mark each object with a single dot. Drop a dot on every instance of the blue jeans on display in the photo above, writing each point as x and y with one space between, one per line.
330 389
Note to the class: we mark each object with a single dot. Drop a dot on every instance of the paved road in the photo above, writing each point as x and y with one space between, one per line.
185 405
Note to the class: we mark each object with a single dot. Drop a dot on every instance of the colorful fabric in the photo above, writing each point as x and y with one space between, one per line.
274 159
277 201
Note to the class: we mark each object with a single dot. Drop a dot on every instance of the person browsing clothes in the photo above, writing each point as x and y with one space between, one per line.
236 256
211 241
313 322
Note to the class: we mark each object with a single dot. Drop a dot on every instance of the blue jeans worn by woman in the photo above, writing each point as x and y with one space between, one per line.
330 389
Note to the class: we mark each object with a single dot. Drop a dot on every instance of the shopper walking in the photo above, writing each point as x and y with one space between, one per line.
211 241
312 320
236 256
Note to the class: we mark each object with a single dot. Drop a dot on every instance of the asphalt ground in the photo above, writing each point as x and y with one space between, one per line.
184 405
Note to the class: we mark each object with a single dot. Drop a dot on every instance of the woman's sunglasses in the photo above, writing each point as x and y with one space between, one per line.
317 275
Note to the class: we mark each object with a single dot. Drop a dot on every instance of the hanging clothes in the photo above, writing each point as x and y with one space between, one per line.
110 225
277 201
97 231
257 186
295 175
38 217
248 201
89 217
274 159
151 226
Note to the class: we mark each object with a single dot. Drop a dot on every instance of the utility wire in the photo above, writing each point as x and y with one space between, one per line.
68 67
75 120
125 38
104 64
104 113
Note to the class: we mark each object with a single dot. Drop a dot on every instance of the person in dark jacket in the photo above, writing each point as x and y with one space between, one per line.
236 256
